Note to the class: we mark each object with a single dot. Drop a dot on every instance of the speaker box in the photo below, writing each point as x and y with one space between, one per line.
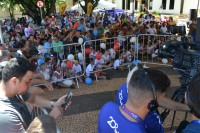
193 14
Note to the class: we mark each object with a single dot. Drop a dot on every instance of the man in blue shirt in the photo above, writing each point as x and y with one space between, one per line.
146 88
152 121
193 100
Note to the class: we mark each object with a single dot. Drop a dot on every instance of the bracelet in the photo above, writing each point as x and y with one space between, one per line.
52 104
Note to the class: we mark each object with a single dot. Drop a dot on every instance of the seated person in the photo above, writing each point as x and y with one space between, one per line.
106 58
77 70
118 63
45 71
57 78
89 69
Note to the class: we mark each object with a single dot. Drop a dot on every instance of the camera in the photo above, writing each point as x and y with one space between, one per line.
185 56
186 60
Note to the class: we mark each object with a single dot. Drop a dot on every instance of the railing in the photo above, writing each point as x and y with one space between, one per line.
106 51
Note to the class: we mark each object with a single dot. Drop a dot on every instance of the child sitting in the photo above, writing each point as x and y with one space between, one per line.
77 70
57 77
45 71
118 64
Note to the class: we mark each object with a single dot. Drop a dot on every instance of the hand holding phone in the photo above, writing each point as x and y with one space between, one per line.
67 99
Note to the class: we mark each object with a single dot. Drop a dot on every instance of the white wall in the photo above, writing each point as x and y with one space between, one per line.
190 4
157 4
119 4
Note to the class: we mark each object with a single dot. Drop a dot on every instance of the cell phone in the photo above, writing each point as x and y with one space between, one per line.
67 99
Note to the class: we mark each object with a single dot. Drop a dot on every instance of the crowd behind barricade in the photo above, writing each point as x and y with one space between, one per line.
44 45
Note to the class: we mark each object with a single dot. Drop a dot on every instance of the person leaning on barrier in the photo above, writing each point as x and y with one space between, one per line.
17 75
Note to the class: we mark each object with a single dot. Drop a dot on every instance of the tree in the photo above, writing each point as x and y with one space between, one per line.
9 5
29 7
85 7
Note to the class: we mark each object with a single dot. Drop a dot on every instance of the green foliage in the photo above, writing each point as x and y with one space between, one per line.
9 5
155 13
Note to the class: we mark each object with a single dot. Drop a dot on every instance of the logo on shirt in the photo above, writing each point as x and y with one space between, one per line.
120 98
158 117
113 124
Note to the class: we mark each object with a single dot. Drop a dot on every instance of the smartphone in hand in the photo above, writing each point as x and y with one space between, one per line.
67 99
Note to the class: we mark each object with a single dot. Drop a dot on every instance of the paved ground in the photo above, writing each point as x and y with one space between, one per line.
83 114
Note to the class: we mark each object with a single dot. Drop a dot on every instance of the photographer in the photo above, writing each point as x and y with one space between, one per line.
192 97
16 78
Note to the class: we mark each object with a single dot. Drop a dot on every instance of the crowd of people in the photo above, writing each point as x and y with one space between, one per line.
115 48
34 55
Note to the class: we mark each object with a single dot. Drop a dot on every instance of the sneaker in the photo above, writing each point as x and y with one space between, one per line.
72 86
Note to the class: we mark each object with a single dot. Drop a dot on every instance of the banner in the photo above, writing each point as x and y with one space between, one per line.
62 8
89 8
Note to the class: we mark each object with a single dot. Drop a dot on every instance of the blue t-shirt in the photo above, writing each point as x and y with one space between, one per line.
152 120
111 120
192 128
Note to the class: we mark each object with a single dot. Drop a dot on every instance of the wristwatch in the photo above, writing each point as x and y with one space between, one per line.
52 104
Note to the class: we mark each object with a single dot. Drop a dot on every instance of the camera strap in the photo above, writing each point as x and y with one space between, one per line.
195 121
134 116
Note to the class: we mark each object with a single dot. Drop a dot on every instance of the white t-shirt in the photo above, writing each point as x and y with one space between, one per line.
54 78
76 68
106 57
92 55
117 63
151 31
98 63
46 74
89 69
163 29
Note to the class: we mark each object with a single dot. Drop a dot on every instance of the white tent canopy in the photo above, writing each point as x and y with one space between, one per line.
101 5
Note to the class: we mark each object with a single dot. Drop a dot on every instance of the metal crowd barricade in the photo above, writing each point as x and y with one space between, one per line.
41 111
147 47
108 45
71 52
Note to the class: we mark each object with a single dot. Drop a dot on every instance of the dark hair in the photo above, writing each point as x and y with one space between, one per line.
2 65
160 80
42 124
17 67
193 95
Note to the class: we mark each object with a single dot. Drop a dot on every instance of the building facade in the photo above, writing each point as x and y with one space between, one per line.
160 6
